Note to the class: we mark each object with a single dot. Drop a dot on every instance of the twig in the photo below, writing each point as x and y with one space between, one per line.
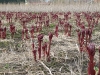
79 62
71 71
77 47
45 67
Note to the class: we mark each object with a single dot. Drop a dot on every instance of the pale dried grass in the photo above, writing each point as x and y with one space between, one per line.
48 8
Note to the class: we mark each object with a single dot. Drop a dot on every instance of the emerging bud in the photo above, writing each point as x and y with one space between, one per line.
56 31
40 37
50 36
34 54
91 49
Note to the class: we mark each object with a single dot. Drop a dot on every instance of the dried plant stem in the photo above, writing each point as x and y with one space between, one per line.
45 67
71 71
79 63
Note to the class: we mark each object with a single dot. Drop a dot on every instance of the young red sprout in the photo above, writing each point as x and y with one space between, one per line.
37 28
87 35
34 51
66 27
33 46
23 34
99 61
26 33
48 53
44 48
23 24
80 39
89 19
79 35
82 25
77 15
50 36
93 23
34 54
12 30
82 36
47 23
0 23
66 15
3 34
91 53
83 33
88 32
96 23
40 27
1 29
8 17
56 31
55 17
40 39
79 23
40 17
69 30
32 32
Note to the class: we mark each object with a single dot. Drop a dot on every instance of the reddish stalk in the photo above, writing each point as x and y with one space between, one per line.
99 62
56 31
44 48
66 28
40 39
69 33
34 54
1 29
26 33
48 53
23 34
91 52
3 34
12 30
